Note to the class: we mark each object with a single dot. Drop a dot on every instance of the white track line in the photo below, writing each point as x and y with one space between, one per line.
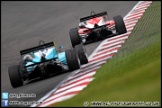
110 45
132 22
70 81
117 39
91 63
106 54
82 73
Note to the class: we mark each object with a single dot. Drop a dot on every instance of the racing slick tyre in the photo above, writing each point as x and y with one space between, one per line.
82 54
72 59
119 24
15 77
74 37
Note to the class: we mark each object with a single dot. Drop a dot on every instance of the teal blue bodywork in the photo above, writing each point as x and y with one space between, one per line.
62 57
51 55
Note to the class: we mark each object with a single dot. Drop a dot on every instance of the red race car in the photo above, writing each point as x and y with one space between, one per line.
96 27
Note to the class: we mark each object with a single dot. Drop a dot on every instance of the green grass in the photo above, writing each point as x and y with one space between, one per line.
134 73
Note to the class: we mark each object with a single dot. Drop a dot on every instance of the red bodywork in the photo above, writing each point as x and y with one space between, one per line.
90 24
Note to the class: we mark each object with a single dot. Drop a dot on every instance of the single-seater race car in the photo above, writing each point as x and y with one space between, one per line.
96 27
44 60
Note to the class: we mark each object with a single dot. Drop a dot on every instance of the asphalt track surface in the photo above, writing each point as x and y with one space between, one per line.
24 23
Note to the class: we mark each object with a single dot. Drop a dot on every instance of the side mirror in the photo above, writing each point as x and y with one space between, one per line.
61 48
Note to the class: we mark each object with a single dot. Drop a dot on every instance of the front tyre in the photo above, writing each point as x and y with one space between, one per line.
15 76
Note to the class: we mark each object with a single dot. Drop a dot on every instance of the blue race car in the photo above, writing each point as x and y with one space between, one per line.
45 60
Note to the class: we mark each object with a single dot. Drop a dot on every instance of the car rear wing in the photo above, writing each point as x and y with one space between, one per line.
22 52
96 28
39 63
93 16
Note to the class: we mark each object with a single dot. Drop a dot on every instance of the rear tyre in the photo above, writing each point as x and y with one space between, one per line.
15 77
72 59
74 37
82 54
119 24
